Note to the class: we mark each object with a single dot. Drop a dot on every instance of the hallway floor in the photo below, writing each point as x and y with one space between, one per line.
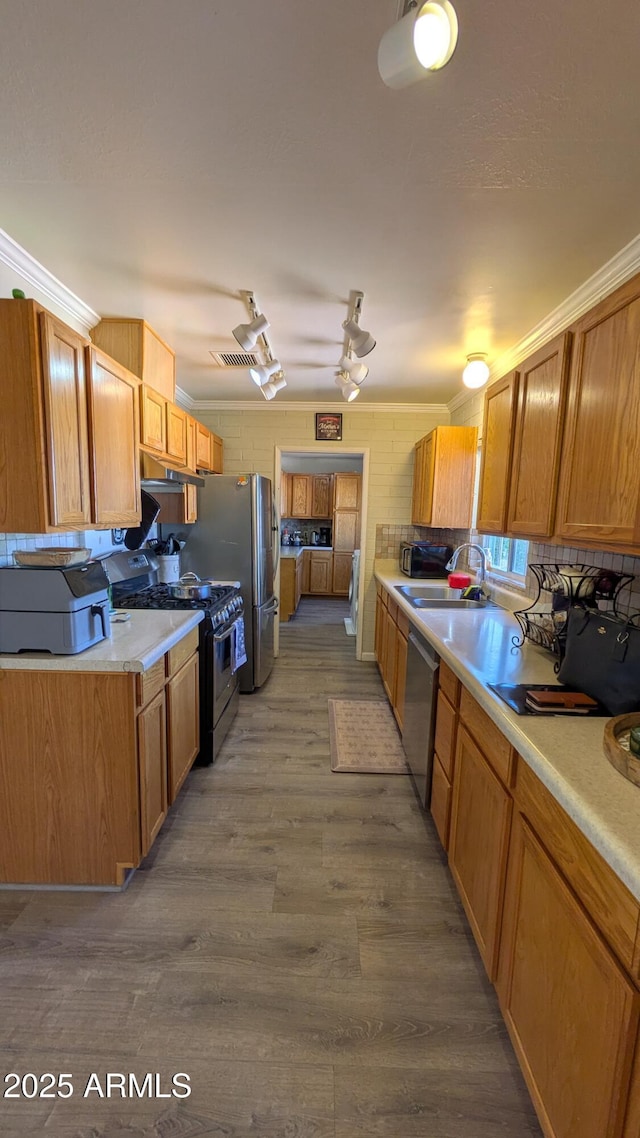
294 944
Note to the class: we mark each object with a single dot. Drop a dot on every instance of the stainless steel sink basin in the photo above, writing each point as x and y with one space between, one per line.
439 597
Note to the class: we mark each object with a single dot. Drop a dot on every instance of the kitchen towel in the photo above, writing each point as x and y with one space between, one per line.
239 650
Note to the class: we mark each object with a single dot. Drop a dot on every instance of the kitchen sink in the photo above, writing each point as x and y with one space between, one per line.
440 597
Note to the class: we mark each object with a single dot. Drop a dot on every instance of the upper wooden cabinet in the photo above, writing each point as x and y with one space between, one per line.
537 440
49 466
497 447
153 419
346 530
134 344
301 488
599 493
347 490
321 495
443 474
113 434
285 495
176 433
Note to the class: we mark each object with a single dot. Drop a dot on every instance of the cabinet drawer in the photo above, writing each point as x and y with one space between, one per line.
182 651
603 895
446 722
449 684
149 683
496 749
403 623
441 802
392 608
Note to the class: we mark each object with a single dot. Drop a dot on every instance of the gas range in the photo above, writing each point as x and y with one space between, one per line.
224 603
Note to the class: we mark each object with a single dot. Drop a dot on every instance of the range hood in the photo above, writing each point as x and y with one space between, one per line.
163 476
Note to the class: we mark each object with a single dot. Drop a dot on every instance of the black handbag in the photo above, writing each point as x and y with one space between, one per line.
602 659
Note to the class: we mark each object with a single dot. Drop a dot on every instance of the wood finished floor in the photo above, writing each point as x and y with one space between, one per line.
294 943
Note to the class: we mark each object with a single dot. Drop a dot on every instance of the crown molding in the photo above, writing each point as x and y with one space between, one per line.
289 405
461 398
19 261
184 400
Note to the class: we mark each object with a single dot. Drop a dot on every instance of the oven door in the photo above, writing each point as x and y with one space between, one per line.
224 678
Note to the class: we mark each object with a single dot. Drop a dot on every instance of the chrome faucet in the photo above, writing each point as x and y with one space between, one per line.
484 561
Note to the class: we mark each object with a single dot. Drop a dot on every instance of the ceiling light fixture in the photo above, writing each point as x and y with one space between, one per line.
268 376
349 389
423 39
356 338
476 373
357 372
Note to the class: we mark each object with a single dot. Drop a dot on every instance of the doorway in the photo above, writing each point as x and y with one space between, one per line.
322 460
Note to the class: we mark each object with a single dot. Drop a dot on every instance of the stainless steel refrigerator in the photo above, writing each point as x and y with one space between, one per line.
233 540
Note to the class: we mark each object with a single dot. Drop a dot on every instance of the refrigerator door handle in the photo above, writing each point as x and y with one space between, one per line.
273 608
276 529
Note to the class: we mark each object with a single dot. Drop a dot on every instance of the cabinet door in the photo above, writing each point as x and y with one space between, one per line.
599 492
203 447
301 495
346 530
191 504
401 677
341 573
298 589
65 397
423 471
478 848
537 440
113 434
153 416
390 659
380 630
287 605
158 363
191 443
183 726
347 488
152 768
217 450
321 572
571 1012
321 487
176 433
440 803
497 441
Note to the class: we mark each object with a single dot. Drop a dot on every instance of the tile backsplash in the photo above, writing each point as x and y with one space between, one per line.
629 598
98 541
389 538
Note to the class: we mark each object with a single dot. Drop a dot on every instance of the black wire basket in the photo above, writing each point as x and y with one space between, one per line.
561 585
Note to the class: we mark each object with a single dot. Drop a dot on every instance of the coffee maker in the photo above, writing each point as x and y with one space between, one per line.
325 535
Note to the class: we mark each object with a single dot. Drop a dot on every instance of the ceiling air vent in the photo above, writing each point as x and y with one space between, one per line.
235 359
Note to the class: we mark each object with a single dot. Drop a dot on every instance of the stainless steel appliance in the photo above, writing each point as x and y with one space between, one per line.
54 610
424 558
420 712
234 538
134 585
325 535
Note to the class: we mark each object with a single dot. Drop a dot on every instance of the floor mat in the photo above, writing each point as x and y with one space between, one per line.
364 738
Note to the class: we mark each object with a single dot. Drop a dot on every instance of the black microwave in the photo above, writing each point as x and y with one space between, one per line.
424 559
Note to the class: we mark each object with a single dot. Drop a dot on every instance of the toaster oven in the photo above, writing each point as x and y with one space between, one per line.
424 558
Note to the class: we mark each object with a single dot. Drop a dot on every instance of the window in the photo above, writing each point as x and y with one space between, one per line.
508 557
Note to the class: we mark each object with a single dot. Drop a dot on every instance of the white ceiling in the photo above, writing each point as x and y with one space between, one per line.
159 156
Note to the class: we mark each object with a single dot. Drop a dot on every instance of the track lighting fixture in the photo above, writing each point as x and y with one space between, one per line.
356 340
349 389
422 40
262 373
268 376
247 334
271 389
476 372
357 372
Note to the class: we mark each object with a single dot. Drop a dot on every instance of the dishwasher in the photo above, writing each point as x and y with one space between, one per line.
420 712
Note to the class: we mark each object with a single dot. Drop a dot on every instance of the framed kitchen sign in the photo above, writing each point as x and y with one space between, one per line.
329 427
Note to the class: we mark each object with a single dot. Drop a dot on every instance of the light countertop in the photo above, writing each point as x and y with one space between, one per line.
296 550
134 645
565 753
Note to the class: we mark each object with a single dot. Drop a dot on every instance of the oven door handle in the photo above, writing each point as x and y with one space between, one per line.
225 632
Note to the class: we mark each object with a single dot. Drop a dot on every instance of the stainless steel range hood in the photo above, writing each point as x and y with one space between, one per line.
162 476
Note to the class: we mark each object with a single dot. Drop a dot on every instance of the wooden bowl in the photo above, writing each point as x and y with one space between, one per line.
619 755
52 556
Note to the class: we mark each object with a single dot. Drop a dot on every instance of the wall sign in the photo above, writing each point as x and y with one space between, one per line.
329 427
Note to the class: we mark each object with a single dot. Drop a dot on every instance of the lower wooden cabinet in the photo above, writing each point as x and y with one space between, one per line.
440 804
320 572
391 638
480 825
178 508
291 571
183 724
152 767
341 573
570 1010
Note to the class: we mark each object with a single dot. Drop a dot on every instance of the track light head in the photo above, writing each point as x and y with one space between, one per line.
262 373
271 389
247 334
349 389
357 372
362 342
423 40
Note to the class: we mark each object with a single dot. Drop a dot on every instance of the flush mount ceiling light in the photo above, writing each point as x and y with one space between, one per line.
268 376
356 338
476 373
423 39
263 372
